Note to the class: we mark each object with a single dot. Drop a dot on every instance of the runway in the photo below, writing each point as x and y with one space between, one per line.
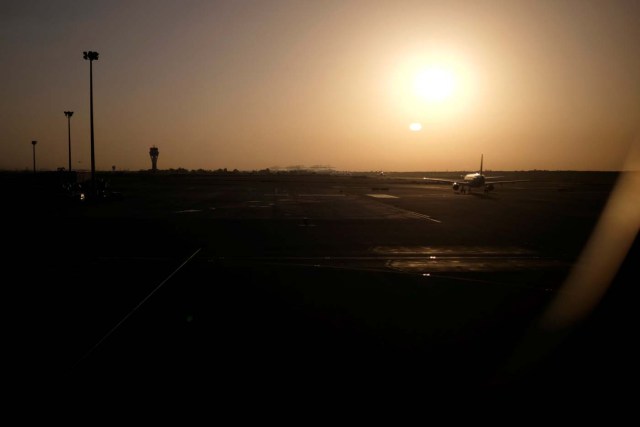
339 273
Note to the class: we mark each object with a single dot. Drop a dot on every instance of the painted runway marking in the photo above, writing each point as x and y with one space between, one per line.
382 196
415 214
453 250
320 195
138 306
422 216
404 212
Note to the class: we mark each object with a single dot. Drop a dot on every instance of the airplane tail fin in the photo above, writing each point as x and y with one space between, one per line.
481 156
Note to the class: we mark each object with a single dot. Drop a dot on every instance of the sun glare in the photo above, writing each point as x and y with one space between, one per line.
434 84
415 127
433 88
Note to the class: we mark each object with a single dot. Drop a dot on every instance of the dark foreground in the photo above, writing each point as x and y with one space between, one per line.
308 282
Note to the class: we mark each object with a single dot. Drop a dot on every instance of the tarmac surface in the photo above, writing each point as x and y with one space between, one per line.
311 281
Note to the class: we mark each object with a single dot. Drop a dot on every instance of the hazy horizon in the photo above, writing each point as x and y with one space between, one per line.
247 85
305 170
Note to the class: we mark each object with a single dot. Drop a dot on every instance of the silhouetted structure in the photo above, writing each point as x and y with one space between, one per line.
69 114
154 153
34 155
91 56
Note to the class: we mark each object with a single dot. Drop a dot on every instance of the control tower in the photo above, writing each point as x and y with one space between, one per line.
154 153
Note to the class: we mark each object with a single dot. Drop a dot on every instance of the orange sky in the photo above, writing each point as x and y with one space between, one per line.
261 84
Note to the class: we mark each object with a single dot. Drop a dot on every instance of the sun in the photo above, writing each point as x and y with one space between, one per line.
434 83
433 88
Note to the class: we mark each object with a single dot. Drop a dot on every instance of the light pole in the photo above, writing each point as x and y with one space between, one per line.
34 155
91 56
69 114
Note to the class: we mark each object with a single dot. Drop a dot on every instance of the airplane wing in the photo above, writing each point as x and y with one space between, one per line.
463 182
443 181
507 182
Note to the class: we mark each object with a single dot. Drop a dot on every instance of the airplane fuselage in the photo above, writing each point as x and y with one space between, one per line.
474 179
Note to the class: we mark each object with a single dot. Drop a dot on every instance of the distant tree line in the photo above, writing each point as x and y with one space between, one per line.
225 171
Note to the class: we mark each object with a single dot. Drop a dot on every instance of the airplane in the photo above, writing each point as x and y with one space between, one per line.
474 180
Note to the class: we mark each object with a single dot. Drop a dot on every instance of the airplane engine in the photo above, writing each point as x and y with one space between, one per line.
456 186
488 187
